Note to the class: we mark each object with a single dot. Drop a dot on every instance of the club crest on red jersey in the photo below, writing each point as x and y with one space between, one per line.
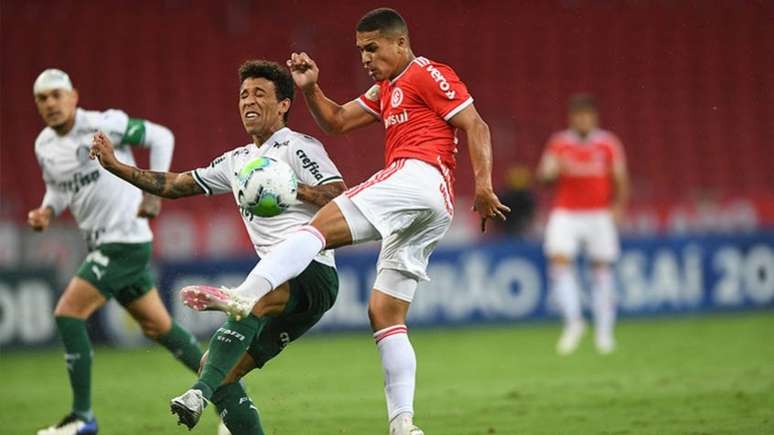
397 97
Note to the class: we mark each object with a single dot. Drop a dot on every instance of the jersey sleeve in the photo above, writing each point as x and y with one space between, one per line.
369 101
55 197
216 178
552 146
617 154
114 124
442 90
311 162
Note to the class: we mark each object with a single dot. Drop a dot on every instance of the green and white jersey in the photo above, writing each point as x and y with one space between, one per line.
311 165
104 206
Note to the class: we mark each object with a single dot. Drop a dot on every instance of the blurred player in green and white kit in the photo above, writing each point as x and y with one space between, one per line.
113 217
238 346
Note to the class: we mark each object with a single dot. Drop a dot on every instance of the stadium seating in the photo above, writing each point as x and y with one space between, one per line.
687 90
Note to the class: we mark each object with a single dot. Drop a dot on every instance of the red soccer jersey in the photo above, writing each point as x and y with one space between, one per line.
586 168
416 107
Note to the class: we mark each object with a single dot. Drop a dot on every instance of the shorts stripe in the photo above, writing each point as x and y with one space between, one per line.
392 330
376 178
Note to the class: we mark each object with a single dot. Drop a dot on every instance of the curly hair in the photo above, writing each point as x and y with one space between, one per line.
273 72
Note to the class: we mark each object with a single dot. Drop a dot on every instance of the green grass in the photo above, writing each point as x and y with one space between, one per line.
696 375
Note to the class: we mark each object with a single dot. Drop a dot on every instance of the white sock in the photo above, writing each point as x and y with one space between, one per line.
603 300
286 261
567 293
400 367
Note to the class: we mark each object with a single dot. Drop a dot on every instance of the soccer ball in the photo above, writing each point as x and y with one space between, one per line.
266 187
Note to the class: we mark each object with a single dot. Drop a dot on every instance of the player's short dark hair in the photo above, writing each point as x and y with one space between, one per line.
582 102
273 72
385 20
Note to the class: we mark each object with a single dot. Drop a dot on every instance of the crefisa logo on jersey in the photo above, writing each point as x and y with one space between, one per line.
397 97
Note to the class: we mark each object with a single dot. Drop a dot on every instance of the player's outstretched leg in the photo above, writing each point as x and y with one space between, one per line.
227 346
388 316
603 305
329 229
226 354
567 294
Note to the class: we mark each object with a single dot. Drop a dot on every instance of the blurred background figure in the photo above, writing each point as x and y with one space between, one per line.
589 168
518 195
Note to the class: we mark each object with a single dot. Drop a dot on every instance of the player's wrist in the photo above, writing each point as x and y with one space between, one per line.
483 186
310 90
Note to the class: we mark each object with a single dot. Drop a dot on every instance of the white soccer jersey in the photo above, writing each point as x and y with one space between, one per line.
311 165
104 206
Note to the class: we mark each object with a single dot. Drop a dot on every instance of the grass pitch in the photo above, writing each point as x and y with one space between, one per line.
695 375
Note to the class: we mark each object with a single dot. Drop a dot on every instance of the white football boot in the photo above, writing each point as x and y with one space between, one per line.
188 407
570 338
403 425
206 298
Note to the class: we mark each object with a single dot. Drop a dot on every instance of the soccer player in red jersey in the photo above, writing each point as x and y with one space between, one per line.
408 205
589 167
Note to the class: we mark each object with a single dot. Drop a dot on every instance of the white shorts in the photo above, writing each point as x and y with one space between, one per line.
568 230
406 205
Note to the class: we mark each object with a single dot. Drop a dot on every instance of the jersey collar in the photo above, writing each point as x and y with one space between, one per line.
392 82
581 140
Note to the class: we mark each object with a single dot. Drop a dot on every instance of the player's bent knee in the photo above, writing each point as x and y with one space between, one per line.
390 299
151 330
79 300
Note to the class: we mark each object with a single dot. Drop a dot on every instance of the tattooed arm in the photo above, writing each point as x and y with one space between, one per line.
165 184
320 195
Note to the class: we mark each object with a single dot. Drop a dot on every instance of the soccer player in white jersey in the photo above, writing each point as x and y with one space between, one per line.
113 217
265 95
408 205
589 167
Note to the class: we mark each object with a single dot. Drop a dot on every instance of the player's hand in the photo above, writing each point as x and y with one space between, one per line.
304 71
150 207
39 218
488 206
102 150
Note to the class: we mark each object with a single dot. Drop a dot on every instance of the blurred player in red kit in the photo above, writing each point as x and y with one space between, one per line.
589 168
408 205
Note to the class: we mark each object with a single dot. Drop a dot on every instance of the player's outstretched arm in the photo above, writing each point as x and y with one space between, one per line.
622 188
485 202
548 169
320 195
165 184
332 117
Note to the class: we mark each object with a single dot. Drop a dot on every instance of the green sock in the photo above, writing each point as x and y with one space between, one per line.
78 355
227 346
237 410
183 346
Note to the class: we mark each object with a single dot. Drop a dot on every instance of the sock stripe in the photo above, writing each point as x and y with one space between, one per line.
315 232
392 330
